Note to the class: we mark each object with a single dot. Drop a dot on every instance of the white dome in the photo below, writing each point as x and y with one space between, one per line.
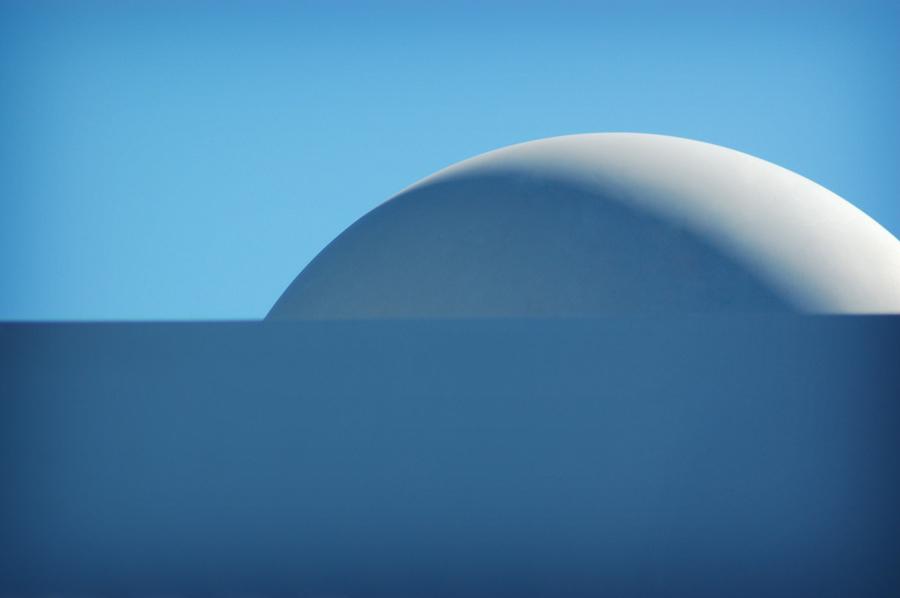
604 224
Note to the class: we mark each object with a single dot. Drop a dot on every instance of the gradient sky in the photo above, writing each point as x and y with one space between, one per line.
175 160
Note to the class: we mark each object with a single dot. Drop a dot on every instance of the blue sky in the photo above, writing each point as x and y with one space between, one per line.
186 160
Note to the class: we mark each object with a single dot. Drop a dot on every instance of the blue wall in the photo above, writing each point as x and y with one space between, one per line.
644 457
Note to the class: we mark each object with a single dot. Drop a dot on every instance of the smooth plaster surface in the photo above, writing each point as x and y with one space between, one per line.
603 224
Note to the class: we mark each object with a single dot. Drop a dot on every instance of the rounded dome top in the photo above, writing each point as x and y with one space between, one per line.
603 224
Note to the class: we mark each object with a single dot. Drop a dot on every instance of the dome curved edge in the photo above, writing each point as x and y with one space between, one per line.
815 248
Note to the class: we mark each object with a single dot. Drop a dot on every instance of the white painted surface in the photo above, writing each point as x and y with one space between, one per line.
614 223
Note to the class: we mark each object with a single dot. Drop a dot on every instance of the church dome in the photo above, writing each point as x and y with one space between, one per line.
603 224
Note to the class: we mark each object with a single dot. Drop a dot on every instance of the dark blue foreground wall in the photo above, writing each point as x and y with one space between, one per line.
641 457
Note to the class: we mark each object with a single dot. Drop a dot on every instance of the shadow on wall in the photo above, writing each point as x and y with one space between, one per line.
739 456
